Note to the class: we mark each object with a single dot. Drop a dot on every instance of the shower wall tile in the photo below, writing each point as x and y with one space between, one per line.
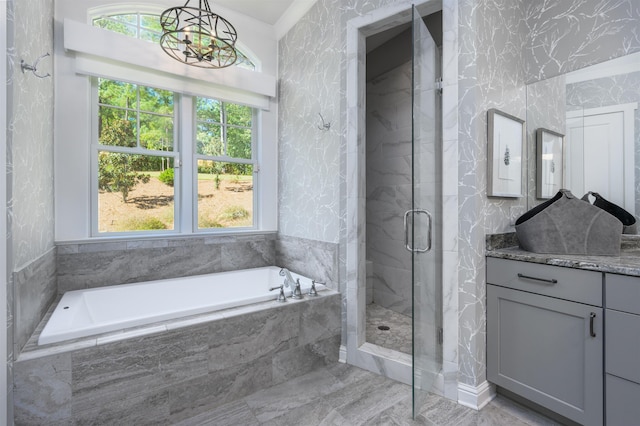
388 186
566 35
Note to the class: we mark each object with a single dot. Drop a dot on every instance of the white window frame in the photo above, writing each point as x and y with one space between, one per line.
185 160
224 158
96 147
84 51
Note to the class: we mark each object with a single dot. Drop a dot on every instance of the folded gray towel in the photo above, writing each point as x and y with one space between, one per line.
567 225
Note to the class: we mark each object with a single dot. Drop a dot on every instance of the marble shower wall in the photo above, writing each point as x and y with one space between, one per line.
614 90
566 35
388 187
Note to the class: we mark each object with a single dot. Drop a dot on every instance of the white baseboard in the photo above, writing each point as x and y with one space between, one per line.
476 397
342 355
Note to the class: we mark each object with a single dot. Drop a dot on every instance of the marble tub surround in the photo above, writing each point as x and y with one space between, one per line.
179 368
97 264
506 246
317 260
34 287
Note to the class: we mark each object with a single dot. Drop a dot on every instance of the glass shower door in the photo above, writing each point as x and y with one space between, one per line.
424 219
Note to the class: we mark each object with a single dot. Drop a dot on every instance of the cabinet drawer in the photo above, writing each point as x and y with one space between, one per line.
555 281
622 402
623 293
622 346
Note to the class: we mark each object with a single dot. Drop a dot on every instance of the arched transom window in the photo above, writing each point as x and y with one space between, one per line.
146 26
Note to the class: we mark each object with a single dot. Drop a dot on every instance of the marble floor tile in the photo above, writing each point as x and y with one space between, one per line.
233 413
397 337
343 395
280 399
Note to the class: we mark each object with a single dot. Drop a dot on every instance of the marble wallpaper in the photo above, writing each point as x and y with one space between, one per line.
566 35
31 133
30 251
309 154
491 75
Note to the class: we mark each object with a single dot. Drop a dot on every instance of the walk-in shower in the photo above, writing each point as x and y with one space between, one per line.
394 264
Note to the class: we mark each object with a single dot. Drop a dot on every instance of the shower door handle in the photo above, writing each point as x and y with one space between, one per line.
406 230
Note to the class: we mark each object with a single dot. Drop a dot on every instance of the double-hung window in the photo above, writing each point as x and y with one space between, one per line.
136 167
224 154
134 158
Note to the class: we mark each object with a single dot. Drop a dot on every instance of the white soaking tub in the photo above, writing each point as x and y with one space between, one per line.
82 313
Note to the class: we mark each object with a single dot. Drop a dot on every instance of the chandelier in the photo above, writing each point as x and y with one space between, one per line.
198 37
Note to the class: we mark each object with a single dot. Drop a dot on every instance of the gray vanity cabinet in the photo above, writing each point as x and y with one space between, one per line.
622 350
545 336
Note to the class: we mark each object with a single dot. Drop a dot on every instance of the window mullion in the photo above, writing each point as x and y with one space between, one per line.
188 202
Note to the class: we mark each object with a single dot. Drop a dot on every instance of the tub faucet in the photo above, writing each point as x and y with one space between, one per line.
289 282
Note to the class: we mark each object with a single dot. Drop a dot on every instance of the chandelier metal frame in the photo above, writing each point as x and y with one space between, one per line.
198 37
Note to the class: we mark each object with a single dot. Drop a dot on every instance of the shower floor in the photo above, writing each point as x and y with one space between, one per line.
397 337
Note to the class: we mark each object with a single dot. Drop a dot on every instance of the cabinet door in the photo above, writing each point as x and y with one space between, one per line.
548 351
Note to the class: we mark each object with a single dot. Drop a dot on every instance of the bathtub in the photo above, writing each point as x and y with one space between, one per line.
83 313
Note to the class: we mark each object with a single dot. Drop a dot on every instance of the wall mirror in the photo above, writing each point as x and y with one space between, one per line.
596 109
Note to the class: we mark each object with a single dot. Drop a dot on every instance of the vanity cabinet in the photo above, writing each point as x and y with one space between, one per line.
545 336
622 349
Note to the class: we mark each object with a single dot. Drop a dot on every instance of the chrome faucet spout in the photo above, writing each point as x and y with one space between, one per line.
289 282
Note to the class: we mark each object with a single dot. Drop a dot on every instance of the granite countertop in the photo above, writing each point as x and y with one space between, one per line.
505 246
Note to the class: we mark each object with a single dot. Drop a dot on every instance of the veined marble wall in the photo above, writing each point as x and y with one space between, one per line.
388 186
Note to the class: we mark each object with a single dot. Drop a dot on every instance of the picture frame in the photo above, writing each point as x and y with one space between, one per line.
505 148
550 158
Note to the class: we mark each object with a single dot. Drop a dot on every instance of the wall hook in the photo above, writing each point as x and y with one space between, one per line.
324 126
34 68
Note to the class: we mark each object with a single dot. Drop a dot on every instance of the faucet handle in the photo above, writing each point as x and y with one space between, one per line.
297 292
312 291
281 297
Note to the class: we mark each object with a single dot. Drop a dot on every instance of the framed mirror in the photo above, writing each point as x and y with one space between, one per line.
596 108
549 163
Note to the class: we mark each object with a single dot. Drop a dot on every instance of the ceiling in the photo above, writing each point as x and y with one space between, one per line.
267 11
